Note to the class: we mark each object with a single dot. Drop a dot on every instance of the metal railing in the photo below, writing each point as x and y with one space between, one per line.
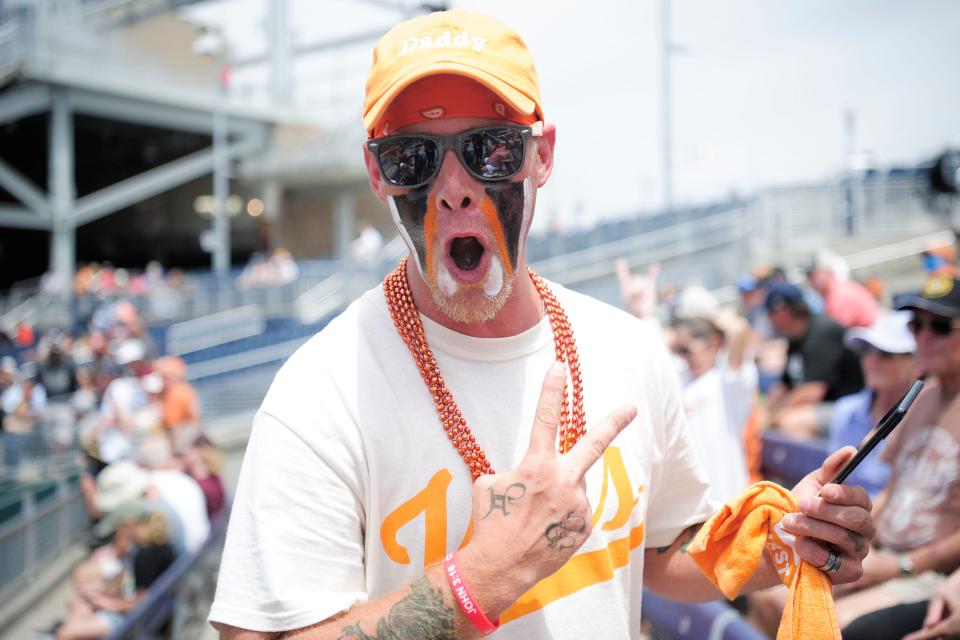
215 329
38 523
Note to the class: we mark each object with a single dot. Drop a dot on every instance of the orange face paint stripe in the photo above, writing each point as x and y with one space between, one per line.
430 223
580 571
493 221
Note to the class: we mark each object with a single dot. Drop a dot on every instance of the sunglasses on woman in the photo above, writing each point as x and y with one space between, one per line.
938 326
489 153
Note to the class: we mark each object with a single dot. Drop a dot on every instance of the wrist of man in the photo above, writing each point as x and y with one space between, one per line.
493 588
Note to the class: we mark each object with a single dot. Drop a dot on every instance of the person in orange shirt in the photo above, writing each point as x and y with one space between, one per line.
181 406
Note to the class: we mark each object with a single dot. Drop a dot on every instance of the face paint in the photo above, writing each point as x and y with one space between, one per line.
509 217
409 213
506 210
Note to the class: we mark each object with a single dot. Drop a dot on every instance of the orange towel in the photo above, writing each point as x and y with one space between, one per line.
729 548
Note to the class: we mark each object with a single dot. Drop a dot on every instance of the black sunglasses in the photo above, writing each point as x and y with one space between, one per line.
488 153
939 326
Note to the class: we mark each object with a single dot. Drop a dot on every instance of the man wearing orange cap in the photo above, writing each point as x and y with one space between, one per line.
393 486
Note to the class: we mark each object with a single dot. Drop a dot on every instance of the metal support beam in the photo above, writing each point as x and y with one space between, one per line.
62 190
23 218
21 102
167 116
113 107
149 183
281 53
344 215
23 189
221 178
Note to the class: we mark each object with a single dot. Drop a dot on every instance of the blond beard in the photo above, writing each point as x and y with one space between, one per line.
470 304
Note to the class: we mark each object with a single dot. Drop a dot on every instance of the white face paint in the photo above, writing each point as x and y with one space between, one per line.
527 217
447 284
391 203
494 280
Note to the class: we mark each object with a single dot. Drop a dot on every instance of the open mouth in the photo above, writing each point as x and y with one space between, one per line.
466 252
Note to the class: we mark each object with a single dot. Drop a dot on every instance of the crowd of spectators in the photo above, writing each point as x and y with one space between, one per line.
98 400
821 358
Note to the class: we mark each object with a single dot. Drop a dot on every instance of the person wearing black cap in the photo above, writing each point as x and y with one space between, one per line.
918 514
820 367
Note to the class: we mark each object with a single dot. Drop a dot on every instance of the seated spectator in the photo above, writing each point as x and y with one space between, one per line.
937 618
886 357
123 482
202 463
918 515
177 489
846 301
122 399
23 404
96 613
181 406
819 370
57 372
719 391
940 260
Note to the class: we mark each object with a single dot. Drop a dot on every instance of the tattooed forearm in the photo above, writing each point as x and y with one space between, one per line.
512 493
422 615
690 533
560 535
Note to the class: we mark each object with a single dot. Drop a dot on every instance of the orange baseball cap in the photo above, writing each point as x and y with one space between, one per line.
453 42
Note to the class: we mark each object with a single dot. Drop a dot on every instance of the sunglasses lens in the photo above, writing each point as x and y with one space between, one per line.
408 161
493 153
938 326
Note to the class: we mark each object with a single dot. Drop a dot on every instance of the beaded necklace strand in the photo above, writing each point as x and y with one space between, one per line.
406 319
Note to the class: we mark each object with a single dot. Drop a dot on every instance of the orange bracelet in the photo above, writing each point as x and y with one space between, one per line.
463 596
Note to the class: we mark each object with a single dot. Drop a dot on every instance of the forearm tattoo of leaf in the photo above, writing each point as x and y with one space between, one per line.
560 535
422 615
510 495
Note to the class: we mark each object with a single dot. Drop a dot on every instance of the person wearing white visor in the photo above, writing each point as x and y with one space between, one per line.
886 351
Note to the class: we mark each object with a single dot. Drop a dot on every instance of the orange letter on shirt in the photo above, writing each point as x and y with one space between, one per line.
432 502
613 468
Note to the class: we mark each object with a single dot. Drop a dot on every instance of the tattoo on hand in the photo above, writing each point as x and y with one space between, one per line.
421 615
512 493
856 541
559 535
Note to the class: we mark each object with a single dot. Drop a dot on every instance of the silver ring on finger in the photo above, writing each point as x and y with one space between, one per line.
832 565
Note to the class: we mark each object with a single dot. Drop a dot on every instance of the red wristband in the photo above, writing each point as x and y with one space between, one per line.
466 600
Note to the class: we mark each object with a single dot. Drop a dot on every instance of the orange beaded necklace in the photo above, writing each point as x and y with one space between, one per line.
406 319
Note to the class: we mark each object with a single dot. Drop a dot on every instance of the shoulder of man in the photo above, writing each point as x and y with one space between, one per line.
597 315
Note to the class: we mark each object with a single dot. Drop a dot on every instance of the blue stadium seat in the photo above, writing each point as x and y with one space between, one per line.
714 620
787 460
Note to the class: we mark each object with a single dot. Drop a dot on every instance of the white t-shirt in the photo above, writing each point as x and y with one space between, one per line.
718 405
185 496
350 487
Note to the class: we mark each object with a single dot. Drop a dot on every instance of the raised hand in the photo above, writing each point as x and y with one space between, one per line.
528 521
639 292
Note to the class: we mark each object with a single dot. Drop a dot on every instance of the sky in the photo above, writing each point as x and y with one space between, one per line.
759 89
